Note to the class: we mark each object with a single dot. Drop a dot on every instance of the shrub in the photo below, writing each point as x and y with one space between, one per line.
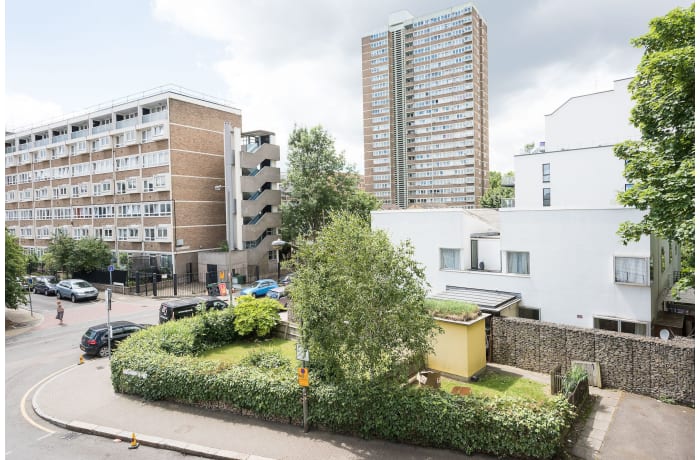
257 316
572 378
267 359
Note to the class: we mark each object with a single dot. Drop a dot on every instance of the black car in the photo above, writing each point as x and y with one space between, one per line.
44 285
94 341
183 308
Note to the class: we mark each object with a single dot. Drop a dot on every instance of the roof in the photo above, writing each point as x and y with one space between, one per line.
489 301
687 296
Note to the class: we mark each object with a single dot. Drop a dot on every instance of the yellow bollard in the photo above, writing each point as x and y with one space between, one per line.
133 444
82 360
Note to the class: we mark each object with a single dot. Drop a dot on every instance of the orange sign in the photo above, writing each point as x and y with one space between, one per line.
303 376
221 275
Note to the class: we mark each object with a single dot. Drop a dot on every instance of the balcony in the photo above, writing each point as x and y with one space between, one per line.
101 128
507 180
11 149
507 202
59 138
77 134
154 117
126 123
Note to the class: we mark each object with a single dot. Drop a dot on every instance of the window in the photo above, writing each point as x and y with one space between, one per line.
529 313
546 197
518 262
158 130
130 136
545 172
632 270
149 234
449 259
620 325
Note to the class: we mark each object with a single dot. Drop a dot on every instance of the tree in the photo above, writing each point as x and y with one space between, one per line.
661 165
496 192
15 266
360 300
85 255
319 182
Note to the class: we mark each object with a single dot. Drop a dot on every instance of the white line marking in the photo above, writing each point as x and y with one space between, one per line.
45 436
24 399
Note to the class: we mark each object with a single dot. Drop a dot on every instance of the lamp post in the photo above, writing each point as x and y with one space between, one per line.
278 244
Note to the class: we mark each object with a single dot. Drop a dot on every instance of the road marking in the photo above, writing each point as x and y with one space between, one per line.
24 399
45 436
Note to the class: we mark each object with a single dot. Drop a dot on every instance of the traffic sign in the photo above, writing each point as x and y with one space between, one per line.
110 268
302 353
303 376
221 275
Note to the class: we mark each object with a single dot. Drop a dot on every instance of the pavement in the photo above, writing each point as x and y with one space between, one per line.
620 425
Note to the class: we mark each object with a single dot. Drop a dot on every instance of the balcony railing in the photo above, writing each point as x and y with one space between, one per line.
507 202
60 138
41 142
101 128
154 116
126 123
12 149
507 181
81 133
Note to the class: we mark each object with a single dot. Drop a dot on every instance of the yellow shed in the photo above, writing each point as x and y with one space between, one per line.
461 351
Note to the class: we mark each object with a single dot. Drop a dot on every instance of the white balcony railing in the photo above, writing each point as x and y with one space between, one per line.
77 134
154 117
507 202
101 128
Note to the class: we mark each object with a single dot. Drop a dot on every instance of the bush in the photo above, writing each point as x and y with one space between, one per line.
266 359
257 316
452 309
572 378
160 365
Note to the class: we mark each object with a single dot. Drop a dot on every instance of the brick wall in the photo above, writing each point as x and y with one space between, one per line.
643 365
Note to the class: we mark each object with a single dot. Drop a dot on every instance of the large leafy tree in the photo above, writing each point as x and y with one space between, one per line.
661 165
496 192
318 182
85 255
15 266
360 300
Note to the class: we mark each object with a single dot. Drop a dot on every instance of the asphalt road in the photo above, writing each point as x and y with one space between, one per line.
32 356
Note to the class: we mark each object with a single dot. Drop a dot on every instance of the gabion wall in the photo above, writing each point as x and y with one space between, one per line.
644 365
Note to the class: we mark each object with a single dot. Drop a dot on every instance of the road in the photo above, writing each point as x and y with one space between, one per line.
32 356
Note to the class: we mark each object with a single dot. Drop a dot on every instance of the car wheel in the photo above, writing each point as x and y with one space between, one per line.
103 351
58 295
72 298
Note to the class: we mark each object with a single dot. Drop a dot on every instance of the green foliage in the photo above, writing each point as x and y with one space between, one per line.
496 192
496 384
661 166
257 316
319 182
235 352
572 378
84 255
267 359
452 309
372 409
360 300
15 266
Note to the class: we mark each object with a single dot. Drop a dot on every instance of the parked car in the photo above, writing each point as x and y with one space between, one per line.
259 288
280 295
183 308
23 282
75 290
287 279
44 285
94 341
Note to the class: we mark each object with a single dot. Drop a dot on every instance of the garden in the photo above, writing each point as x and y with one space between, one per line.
367 330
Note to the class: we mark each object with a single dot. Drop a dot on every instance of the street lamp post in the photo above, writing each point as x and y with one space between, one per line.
278 244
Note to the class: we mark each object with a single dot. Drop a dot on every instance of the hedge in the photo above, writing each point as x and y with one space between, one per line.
164 355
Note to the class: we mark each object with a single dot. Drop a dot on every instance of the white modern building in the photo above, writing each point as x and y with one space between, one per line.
555 254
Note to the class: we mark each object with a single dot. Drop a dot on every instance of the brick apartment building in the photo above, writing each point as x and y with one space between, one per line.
425 109
141 174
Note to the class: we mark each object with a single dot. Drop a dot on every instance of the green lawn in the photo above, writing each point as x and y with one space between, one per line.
235 352
497 384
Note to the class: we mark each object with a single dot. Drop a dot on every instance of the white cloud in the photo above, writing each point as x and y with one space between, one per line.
22 110
521 118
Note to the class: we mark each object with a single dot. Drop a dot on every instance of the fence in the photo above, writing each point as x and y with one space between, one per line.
156 284
556 382
644 365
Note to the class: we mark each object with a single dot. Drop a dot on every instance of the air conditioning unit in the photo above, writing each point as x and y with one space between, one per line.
592 369
180 242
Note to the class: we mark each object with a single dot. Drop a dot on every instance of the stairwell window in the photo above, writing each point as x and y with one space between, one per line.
632 270
518 262
449 259
546 197
545 172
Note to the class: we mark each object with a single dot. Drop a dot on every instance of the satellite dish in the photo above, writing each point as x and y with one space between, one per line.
664 334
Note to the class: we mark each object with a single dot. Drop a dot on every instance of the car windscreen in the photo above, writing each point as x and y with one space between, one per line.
50 280
82 284
90 334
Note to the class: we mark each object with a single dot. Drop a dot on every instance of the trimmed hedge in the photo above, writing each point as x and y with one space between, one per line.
426 417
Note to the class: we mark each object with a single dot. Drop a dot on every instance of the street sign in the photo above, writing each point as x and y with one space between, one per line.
303 376
221 275
110 268
302 353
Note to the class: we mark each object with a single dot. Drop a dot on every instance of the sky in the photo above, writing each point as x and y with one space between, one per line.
287 63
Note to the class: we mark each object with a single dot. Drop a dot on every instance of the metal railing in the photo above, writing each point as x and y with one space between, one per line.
507 202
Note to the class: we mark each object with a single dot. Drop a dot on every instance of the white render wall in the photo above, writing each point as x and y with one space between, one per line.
571 259
591 120
579 179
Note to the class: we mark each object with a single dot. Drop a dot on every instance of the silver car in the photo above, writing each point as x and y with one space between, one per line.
75 290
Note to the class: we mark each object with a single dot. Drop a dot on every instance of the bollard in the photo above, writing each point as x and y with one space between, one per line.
134 444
